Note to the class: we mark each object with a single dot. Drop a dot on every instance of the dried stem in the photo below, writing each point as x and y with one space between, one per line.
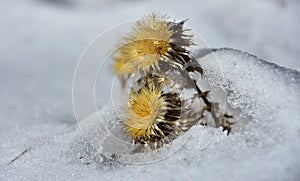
17 157
210 107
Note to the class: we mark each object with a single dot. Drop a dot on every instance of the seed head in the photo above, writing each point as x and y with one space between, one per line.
152 115
152 40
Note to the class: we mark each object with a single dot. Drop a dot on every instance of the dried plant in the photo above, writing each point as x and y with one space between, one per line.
156 112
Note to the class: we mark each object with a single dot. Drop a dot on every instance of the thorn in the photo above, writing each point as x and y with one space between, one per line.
194 68
204 94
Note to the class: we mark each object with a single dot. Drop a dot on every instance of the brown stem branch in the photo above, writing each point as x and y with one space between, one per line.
17 157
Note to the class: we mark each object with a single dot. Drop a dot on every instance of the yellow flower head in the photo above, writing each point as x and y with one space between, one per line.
151 114
153 39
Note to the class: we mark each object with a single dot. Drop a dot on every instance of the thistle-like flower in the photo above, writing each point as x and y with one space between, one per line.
153 39
153 116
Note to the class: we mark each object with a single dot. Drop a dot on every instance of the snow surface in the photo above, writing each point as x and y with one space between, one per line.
41 43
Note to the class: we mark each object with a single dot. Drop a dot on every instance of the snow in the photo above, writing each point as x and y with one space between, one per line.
269 143
41 43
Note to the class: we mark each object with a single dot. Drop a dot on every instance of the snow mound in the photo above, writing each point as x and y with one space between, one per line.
267 149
